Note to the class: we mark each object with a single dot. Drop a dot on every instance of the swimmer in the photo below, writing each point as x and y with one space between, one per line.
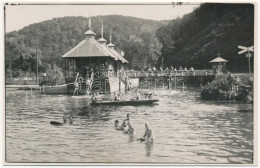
131 130
117 125
148 135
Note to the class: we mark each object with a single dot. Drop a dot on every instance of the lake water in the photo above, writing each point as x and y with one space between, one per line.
187 130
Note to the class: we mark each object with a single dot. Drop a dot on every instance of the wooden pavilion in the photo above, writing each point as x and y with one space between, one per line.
93 59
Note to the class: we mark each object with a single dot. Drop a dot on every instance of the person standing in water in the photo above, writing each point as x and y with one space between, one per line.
127 120
131 130
148 135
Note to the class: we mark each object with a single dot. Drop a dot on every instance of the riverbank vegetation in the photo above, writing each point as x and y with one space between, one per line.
229 87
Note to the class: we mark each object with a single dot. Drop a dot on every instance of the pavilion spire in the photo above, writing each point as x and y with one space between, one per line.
89 23
102 40
90 33
110 45
102 29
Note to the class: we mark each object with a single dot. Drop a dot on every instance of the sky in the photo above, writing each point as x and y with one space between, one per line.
19 16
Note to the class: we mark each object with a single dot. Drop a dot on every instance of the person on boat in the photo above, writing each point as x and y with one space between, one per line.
71 119
65 118
148 135
98 97
137 95
148 95
94 98
116 97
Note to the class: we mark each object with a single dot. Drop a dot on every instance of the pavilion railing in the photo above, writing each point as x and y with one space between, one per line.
97 74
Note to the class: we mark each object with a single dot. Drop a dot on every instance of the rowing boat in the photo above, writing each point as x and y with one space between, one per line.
126 103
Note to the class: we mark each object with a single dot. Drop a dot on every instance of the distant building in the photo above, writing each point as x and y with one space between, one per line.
93 57
219 65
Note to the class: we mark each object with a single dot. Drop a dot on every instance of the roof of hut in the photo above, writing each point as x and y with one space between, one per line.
218 59
90 47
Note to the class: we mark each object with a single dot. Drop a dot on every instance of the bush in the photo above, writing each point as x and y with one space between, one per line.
229 87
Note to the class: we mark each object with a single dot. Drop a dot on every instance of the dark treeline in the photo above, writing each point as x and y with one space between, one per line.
198 37
136 37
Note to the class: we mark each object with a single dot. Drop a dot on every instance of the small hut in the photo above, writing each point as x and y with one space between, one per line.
219 65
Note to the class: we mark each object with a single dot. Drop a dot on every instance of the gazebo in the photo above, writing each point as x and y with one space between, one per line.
219 65
93 59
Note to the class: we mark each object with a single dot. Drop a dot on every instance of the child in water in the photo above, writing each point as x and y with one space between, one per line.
119 127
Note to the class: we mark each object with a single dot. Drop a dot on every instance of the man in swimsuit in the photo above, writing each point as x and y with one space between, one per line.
148 135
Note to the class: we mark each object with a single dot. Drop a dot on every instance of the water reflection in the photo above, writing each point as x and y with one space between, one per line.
131 138
149 147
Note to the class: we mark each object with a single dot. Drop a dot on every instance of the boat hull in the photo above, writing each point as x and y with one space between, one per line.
59 89
126 103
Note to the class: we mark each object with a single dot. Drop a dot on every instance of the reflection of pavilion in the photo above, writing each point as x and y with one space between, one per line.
93 57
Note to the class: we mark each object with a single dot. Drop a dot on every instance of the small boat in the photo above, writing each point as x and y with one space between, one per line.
56 123
126 103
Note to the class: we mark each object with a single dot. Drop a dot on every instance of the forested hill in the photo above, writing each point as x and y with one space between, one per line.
198 37
136 37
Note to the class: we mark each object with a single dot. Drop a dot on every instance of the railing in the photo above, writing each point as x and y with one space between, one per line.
206 72
97 74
